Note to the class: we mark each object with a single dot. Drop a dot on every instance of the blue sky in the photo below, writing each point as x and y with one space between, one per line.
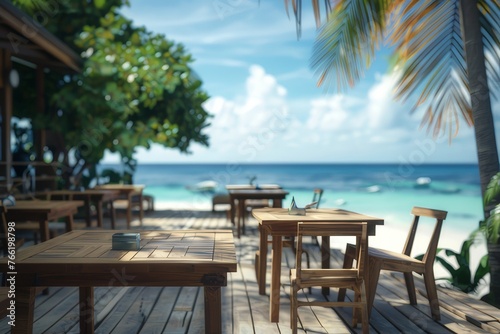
264 98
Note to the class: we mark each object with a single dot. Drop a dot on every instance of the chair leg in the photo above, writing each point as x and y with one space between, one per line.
350 253
364 310
355 314
374 268
410 286
257 264
293 309
430 286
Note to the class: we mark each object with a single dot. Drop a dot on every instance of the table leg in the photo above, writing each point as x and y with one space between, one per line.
88 212
70 223
242 214
100 215
276 279
262 265
141 209
241 207
213 308
232 208
44 230
129 210
112 214
24 310
87 309
325 259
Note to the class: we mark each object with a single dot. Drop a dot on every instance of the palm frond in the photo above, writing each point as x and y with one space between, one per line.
490 26
346 43
430 54
297 11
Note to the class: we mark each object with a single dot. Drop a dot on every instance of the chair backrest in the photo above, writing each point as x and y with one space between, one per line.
317 194
418 212
358 230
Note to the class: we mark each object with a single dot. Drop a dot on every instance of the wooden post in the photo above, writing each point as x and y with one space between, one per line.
39 134
6 113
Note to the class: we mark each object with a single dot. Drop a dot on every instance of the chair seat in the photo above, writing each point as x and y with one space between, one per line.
393 259
391 256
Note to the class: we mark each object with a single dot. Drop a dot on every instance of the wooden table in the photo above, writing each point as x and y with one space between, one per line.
43 212
239 196
85 259
127 191
251 186
277 223
89 196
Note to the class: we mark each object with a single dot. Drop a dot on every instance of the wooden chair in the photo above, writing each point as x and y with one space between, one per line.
317 194
380 259
4 233
351 278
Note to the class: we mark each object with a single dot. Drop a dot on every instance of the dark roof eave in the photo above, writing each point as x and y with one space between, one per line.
38 35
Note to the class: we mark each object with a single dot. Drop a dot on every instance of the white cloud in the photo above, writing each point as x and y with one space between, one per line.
257 127
250 123
382 111
328 114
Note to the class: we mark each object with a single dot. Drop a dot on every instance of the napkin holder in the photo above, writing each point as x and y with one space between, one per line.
126 241
295 210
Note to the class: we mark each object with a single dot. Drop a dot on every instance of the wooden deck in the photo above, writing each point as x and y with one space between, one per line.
180 310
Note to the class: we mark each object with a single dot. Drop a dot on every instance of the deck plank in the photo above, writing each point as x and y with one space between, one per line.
139 311
119 311
182 313
161 311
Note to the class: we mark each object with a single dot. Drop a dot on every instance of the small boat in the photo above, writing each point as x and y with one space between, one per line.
204 186
373 189
422 182
340 201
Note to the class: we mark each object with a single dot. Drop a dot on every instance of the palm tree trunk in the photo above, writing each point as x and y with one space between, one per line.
483 118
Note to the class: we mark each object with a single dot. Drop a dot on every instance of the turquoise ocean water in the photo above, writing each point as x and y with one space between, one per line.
385 190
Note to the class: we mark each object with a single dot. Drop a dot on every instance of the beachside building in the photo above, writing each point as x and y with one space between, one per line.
25 42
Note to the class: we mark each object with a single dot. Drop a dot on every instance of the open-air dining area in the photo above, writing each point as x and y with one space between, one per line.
122 305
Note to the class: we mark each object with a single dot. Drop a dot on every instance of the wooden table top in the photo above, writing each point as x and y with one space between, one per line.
121 187
86 252
105 194
258 192
43 206
250 186
278 219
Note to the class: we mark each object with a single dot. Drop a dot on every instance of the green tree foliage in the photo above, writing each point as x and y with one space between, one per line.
135 88
462 277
